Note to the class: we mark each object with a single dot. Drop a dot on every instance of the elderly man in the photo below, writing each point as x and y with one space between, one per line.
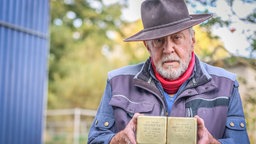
172 82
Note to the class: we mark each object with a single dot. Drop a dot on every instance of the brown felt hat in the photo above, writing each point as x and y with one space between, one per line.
165 17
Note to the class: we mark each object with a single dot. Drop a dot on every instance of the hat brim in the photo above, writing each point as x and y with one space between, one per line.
168 30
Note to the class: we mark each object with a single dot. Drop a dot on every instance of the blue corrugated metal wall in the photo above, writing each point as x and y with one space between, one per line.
23 70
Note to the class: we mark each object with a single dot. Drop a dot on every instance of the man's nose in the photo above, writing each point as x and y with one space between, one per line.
169 45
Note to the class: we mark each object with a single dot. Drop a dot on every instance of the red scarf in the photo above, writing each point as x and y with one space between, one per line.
172 86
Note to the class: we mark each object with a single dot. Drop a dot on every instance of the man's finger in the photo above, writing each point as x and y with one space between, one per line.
200 121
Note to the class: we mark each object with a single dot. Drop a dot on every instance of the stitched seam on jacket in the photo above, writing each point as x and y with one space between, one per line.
126 99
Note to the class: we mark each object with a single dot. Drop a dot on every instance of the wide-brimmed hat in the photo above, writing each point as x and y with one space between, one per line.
165 17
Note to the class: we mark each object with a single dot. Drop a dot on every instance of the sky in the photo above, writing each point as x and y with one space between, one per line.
235 42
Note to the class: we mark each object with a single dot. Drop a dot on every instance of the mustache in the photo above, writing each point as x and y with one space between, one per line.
170 58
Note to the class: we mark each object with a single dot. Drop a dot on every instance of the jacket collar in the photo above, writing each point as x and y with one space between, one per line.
201 81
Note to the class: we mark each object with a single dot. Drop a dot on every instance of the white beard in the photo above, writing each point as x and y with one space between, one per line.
170 73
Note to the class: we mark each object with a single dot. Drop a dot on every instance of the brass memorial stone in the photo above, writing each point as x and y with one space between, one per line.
166 130
151 130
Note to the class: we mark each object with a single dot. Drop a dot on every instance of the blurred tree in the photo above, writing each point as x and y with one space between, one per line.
235 13
135 51
80 40
208 47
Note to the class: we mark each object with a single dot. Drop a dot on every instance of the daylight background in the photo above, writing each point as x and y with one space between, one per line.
87 42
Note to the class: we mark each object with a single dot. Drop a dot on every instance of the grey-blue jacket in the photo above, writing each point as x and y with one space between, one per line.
211 92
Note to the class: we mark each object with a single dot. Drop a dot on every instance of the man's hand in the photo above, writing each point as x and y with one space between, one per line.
127 136
203 135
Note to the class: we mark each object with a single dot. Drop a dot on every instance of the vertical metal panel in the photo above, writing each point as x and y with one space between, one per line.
23 70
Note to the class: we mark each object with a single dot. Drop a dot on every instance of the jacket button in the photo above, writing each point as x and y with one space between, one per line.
106 124
232 124
242 125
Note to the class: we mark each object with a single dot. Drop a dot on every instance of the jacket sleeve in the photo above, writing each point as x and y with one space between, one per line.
235 131
102 129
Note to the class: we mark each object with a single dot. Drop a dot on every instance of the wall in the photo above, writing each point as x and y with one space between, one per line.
23 70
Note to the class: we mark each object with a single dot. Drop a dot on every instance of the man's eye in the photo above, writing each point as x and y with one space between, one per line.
158 42
176 37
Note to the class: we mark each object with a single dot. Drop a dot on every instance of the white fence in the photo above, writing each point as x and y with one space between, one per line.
67 125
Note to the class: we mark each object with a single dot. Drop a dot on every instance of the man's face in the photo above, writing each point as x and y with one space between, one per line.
171 54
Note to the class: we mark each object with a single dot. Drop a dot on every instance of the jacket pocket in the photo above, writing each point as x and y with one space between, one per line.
103 122
236 130
131 106
236 123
